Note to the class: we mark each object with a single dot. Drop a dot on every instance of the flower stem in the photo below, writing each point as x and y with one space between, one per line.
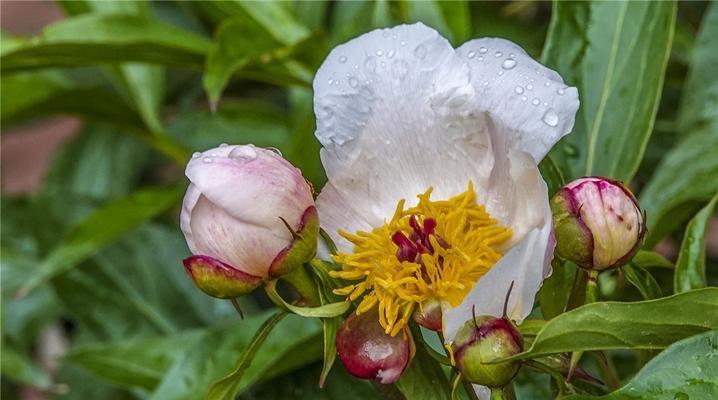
504 393
592 287
303 283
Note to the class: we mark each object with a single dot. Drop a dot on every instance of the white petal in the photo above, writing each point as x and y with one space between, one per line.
188 203
394 116
254 185
250 248
526 264
529 101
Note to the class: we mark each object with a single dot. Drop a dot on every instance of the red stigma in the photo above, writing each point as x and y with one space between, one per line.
418 242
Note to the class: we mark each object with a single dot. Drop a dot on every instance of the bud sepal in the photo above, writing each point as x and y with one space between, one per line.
219 279
303 247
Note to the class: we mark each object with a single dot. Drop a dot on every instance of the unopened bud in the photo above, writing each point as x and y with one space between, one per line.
368 352
484 340
250 209
598 223
428 315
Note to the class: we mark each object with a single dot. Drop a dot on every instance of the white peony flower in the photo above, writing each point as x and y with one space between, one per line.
433 187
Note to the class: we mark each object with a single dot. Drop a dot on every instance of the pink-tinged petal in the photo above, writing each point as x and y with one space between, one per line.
250 248
191 198
254 185
218 279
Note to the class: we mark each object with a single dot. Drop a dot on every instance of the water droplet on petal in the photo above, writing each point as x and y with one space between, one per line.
536 101
420 51
196 154
524 98
545 103
223 145
508 63
530 87
390 54
370 64
403 43
330 82
275 151
512 55
500 73
207 160
518 89
243 153
550 117
486 83
499 54
471 54
560 92
480 58
483 50
342 59
394 36
379 53
547 83
353 82
399 68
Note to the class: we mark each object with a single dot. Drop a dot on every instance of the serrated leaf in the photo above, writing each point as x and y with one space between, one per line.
690 272
616 54
652 324
685 370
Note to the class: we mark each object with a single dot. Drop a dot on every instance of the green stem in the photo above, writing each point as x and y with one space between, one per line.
504 393
592 287
303 283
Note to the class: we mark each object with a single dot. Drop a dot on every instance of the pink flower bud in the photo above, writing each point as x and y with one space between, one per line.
598 223
483 340
368 352
250 210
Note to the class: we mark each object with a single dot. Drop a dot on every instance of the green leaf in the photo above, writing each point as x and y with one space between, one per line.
144 85
690 270
20 369
675 192
92 39
552 174
685 370
101 228
651 259
228 387
652 324
643 281
330 328
424 379
616 54
556 289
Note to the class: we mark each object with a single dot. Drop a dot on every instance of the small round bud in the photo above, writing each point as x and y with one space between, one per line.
484 340
428 315
368 352
218 279
250 209
598 223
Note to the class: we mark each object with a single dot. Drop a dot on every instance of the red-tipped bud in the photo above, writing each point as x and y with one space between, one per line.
484 340
218 279
598 223
428 315
368 352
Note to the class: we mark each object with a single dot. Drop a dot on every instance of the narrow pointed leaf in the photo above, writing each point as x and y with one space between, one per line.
690 270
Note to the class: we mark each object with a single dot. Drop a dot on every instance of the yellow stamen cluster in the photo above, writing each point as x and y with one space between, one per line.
471 239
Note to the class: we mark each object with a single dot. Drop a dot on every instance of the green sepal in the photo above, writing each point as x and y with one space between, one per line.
303 247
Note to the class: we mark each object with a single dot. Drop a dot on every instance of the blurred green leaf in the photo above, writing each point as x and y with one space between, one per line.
227 388
92 39
643 281
670 195
676 191
552 174
616 54
258 33
101 228
650 259
18 368
690 272
652 324
144 85
210 358
685 370
554 293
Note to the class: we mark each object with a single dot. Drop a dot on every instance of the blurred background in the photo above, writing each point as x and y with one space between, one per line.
95 301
